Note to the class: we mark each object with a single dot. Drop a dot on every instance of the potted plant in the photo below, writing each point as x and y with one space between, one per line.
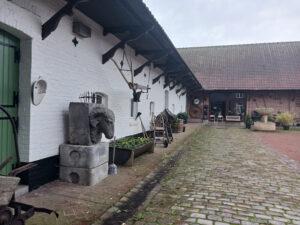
183 116
177 125
129 148
285 120
248 121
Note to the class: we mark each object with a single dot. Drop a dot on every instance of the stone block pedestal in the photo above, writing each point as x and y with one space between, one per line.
84 165
84 176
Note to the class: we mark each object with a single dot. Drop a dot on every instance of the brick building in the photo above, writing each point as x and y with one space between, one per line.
239 78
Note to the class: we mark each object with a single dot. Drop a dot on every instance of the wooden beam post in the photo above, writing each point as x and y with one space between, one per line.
53 22
156 79
133 36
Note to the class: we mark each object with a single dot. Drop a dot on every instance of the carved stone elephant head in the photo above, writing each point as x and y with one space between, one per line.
102 120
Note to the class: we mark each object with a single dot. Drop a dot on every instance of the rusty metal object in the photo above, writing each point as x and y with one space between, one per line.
13 124
6 162
16 213
21 169
22 213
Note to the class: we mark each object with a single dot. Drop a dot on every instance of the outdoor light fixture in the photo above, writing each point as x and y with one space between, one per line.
81 30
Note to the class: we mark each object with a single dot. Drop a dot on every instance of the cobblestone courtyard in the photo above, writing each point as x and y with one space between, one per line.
226 177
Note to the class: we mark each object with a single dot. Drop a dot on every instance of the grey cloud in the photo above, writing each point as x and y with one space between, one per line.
222 22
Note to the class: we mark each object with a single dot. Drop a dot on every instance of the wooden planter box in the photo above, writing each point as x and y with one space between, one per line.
8 186
178 127
126 156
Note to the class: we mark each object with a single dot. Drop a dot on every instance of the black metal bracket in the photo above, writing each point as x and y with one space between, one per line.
53 22
132 37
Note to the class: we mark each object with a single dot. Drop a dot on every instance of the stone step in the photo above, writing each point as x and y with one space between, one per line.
21 190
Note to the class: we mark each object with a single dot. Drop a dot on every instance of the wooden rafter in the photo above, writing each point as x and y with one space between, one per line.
179 90
174 85
156 79
148 63
151 52
133 36
53 22
120 29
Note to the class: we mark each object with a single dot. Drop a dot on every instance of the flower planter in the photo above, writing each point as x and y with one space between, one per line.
178 127
126 156
286 127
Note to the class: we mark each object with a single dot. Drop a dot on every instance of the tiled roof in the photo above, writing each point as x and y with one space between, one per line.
268 66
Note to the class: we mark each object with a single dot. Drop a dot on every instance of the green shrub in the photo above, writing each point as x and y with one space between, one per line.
285 118
131 143
248 121
183 116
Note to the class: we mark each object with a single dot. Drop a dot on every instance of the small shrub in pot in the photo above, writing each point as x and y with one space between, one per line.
248 121
183 116
285 119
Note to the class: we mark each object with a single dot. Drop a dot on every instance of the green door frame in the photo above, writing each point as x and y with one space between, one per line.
9 89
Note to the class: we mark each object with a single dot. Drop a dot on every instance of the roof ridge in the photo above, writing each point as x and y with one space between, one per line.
232 45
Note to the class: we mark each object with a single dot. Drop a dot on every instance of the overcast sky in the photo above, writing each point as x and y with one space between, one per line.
191 23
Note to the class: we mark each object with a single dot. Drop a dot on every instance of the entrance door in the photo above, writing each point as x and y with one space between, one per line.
9 87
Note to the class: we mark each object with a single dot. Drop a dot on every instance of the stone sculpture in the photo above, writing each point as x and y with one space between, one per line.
88 121
85 160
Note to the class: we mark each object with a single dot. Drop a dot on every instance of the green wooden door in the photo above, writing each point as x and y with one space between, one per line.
9 87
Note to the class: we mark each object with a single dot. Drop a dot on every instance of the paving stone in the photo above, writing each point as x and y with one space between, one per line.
227 177
198 215
276 222
205 222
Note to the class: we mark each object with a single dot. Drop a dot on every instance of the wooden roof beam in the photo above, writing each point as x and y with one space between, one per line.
179 90
148 63
151 52
174 85
156 79
133 36
51 25
120 29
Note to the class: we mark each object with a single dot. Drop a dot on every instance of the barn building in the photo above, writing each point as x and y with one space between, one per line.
238 79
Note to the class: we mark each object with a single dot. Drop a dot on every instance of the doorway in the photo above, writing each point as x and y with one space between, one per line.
9 89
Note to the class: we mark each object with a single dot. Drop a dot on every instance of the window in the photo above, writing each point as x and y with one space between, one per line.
166 99
239 109
173 108
133 108
100 98
152 108
239 95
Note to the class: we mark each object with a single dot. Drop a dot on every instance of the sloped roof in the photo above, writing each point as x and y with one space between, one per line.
267 66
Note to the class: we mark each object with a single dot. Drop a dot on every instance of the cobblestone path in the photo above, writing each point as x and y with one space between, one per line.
225 177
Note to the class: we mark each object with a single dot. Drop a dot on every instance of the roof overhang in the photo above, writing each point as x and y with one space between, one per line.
132 23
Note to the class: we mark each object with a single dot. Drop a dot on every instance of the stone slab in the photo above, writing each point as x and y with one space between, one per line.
83 176
260 126
79 122
84 156
7 188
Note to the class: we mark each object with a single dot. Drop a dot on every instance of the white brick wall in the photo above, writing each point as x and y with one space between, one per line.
69 72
